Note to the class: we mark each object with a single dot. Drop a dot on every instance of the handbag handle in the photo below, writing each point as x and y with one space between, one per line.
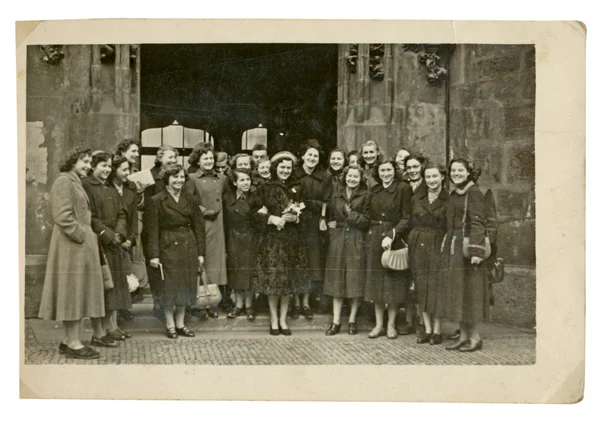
204 282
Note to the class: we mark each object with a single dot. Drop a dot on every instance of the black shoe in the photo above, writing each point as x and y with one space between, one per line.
307 313
105 341
61 348
86 352
294 312
333 329
424 338
471 347
285 331
185 331
210 313
115 335
250 314
435 339
172 333
235 312
123 333
352 330
274 331
457 345
455 335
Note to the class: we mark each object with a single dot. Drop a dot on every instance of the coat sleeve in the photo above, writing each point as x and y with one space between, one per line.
152 228
62 210
198 225
105 233
132 223
359 218
405 211
476 212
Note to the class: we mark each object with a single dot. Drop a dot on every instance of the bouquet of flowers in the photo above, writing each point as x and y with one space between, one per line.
294 208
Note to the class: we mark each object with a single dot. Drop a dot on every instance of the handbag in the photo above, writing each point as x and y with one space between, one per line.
466 239
208 294
106 275
396 260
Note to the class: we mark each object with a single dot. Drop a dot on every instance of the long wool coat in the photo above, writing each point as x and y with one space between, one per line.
73 286
131 200
176 236
428 226
109 217
390 209
240 220
345 269
316 188
464 286
209 188
281 265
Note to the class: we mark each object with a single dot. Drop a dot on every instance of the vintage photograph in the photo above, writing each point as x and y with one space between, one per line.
301 210
267 204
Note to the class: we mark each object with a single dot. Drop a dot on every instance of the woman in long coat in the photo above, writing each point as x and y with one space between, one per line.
241 207
281 267
345 269
464 282
369 159
428 226
209 187
73 285
316 186
337 161
109 222
390 209
176 241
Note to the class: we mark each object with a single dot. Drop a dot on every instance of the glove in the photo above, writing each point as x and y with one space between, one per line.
210 215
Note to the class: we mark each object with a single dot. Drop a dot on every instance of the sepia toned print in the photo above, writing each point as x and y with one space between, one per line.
422 254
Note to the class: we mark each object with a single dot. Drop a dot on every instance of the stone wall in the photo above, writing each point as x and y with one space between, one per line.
492 122
402 109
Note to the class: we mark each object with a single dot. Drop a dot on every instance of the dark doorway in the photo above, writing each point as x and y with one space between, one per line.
226 89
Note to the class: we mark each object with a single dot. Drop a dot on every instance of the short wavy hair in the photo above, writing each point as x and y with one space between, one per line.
117 161
123 146
161 152
343 155
442 169
72 157
275 163
420 158
473 170
100 157
363 177
233 175
171 170
380 154
233 161
198 151
381 163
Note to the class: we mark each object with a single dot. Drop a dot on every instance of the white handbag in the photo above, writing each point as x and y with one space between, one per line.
396 260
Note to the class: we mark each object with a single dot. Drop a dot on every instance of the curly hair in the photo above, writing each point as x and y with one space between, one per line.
171 170
124 145
363 178
233 161
161 151
313 143
380 155
421 159
117 161
234 173
376 170
473 171
198 151
439 168
344 155
100 157
72 157
275 163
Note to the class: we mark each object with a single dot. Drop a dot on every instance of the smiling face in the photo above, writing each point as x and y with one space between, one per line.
264 169
402 154
83 166
132 153
353 160
413 169
176 181
336 161
206 161
369 154
311 158
122 172
386 173
243 182
259 155
353 178
458 173
284 169
168 157
433 178
102 170
243 163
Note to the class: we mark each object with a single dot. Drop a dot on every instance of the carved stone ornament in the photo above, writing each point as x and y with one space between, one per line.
352 57
376 61
107 53
52 53
430 56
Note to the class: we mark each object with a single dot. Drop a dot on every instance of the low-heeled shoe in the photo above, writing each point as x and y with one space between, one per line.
333 329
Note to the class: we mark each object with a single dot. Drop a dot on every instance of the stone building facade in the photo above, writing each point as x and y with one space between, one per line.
473 101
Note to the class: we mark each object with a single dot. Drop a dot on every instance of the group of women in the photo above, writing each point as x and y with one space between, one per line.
283 227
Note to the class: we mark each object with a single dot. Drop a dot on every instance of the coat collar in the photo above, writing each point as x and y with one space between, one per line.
463 190
442 197
341 192
390 189
230 197
318 173
77 182
165 197
91 180
201 173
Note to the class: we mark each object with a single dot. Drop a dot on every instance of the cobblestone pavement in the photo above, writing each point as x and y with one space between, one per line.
502 346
